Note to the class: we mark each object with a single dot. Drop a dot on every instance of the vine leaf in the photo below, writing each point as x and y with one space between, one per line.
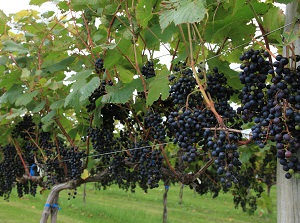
81 91
12 94
271 24
57 104
16 112
61 65
3 20
80 76
159 87
112 57
284 1
47 120
121 93
26 98
25 74
181 11
125 75
37 2
88 89
11 46
39 107
144 12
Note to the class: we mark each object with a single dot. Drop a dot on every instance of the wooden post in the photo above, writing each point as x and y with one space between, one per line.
288 191
165 198
51 206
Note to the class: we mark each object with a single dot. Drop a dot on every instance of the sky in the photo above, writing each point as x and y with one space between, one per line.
13 6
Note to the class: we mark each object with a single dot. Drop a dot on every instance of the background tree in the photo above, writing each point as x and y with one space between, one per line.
85 99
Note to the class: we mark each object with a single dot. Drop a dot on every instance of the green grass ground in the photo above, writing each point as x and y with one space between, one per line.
117 206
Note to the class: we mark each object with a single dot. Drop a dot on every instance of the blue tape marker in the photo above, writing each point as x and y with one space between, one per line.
56 206
47 205
166 187
32 170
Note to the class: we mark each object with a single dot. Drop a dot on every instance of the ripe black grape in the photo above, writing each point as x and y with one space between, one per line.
148 69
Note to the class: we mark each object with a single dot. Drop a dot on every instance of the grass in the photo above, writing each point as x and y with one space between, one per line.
117 206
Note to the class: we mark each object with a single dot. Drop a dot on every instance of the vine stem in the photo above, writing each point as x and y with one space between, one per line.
135 51
111 23
202 48
269 51
13 59
18 149
36 144
262 29
88 144
202 170
208 102
174 54
225 129
167 160
62 129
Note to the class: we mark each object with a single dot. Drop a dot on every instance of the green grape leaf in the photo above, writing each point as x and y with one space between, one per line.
3 60
39 107
270 24
111 58
125 75
25 98
11 46
79 76
61 65
57 104
3 20
265 201
181 11
16 113
25 74
89 88
47 14
47 118
12 94
121 93
234 22
144 12
37 2
159 87
72 98
7 81
284 1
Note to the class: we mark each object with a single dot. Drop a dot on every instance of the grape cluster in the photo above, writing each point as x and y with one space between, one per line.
217 86
148 69
11 167
25 128
283 114
100 91
190 127
99 66
273 107
72 158
154 123
220 92
187 128
183 87
248 179
223 147
65 163
254 75
205 184
149 163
